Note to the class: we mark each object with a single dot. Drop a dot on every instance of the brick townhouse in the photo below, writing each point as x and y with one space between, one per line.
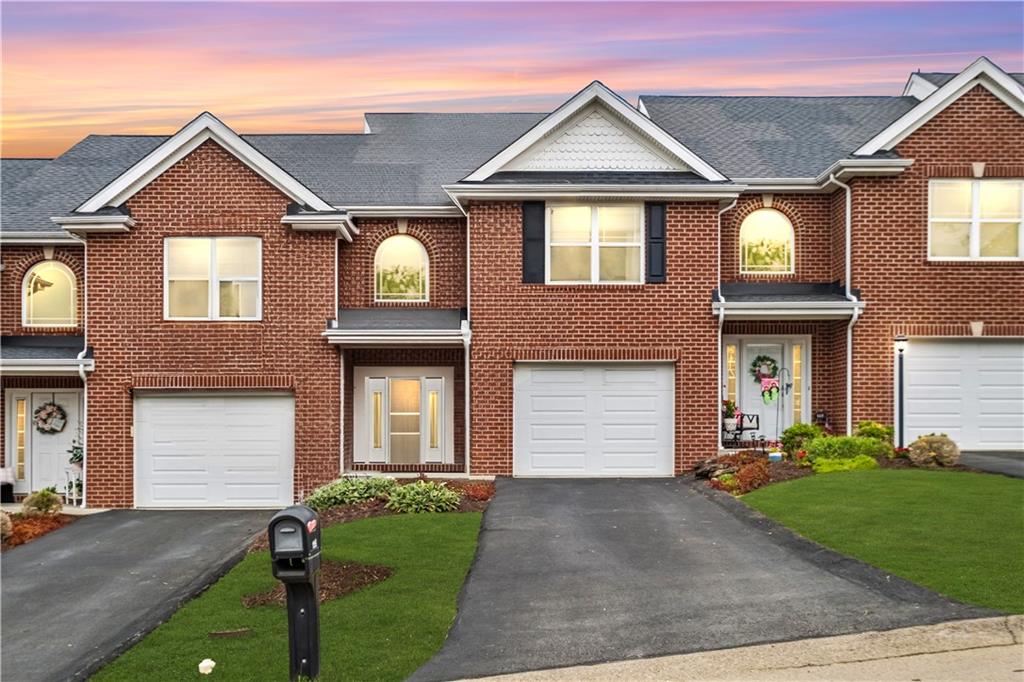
231 320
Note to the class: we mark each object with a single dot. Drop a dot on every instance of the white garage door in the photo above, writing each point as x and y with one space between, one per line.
578 419
213 450
973 391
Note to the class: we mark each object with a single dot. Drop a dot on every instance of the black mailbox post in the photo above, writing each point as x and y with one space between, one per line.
295 560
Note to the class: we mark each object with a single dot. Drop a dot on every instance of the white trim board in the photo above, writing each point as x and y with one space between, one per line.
982 72
204 127
594 94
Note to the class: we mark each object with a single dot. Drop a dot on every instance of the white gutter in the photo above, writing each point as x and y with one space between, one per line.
721 316
401 211
678 192
27 367
34 238
95 224
312 222
425 337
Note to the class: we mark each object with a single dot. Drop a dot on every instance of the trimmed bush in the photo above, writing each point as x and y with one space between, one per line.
828 466
796 436
753 475
422 496
845 447
876 430
350 491
6 527
934 450
45 501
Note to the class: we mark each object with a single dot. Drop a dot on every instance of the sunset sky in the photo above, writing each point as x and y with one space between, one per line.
70 69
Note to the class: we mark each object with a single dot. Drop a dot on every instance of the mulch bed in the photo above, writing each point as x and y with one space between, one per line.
904 463
787 471
336 580
475 497
28 528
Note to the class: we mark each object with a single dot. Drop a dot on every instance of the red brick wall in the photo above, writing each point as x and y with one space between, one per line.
17 260
209 193
812 253
902 289
516 321
445 242
418 357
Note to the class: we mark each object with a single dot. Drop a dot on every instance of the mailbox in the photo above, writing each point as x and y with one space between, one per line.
295 544
294 535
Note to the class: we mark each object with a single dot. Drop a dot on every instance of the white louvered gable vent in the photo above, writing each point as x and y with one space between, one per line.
593 142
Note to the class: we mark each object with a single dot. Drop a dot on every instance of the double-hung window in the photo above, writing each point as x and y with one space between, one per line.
595 244
975 220
213 278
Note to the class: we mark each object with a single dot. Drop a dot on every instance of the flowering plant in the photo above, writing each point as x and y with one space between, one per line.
730 410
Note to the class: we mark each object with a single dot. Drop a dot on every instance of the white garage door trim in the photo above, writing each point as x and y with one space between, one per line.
969 388
270 486
647 419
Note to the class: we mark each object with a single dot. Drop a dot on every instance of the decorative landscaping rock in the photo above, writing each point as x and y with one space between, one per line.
713 468
934 450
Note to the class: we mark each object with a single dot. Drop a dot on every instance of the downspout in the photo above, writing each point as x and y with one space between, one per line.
721 315
850 297
467 335
81 367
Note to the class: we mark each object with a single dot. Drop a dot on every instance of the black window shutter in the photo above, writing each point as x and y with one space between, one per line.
533 242
655 243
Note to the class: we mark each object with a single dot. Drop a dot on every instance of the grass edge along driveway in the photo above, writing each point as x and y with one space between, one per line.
383 632
960 534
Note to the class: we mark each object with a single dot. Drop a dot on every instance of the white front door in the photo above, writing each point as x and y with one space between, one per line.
38 459
593 419
788 358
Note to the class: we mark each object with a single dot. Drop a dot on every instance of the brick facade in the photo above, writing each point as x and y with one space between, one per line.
209 193
17 261
445 242
516 321
904 291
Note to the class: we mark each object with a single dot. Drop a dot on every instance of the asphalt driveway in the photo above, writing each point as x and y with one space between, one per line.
571 572
78 596
1006 463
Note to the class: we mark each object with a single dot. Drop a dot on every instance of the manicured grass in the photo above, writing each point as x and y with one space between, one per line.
383 632
960 534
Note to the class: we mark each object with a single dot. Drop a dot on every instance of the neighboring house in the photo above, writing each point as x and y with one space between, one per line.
233 320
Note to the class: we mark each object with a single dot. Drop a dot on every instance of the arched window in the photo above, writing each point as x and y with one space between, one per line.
49 296
766 243
400 270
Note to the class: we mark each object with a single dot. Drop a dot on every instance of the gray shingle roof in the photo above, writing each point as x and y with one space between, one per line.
400 319
940 79
783 292
774 137
42 347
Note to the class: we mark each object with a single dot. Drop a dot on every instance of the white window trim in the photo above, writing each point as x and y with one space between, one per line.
74 297
426 274
595 245
974 223
213 304
792 248
361 417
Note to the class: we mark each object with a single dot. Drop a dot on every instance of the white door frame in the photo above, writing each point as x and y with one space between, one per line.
360 428
11 396
787 341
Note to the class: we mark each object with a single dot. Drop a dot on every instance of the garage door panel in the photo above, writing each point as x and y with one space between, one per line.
618 421
214 451
970 389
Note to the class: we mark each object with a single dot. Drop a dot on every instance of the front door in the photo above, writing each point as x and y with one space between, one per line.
37 457
748 360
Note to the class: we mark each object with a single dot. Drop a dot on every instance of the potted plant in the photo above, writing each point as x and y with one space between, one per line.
730 415
77 452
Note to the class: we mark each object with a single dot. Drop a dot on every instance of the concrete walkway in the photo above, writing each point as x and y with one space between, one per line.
1006 463
82 594
571 572
984 650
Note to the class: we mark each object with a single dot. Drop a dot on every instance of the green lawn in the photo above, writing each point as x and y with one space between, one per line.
960 534
383 632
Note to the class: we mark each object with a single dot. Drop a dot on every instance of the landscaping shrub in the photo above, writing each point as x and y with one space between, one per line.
796 436
478 491
752 476
46 501
350 491
876 430
726 482
422 496
845 447
934 450
828 466
6 527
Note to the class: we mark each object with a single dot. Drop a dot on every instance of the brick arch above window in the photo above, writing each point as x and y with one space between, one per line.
412 284
22 262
